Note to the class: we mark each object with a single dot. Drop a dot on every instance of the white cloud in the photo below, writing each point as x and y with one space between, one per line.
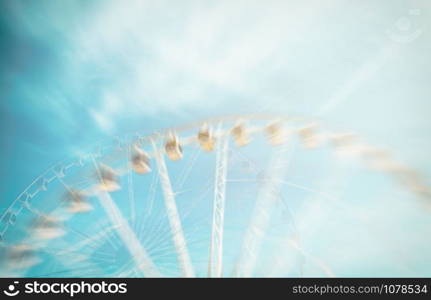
177 55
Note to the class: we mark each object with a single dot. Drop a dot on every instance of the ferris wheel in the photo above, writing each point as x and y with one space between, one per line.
213 198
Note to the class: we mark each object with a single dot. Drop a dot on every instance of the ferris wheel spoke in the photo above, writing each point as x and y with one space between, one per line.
215 267
131 192
267 197
154 230
173 216
125 232
72 261
87 244
186 172
152 191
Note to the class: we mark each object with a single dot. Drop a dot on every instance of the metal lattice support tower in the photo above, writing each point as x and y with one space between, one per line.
215 267
267 197
173 216
125 232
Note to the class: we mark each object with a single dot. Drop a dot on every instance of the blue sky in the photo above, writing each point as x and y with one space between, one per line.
73 73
